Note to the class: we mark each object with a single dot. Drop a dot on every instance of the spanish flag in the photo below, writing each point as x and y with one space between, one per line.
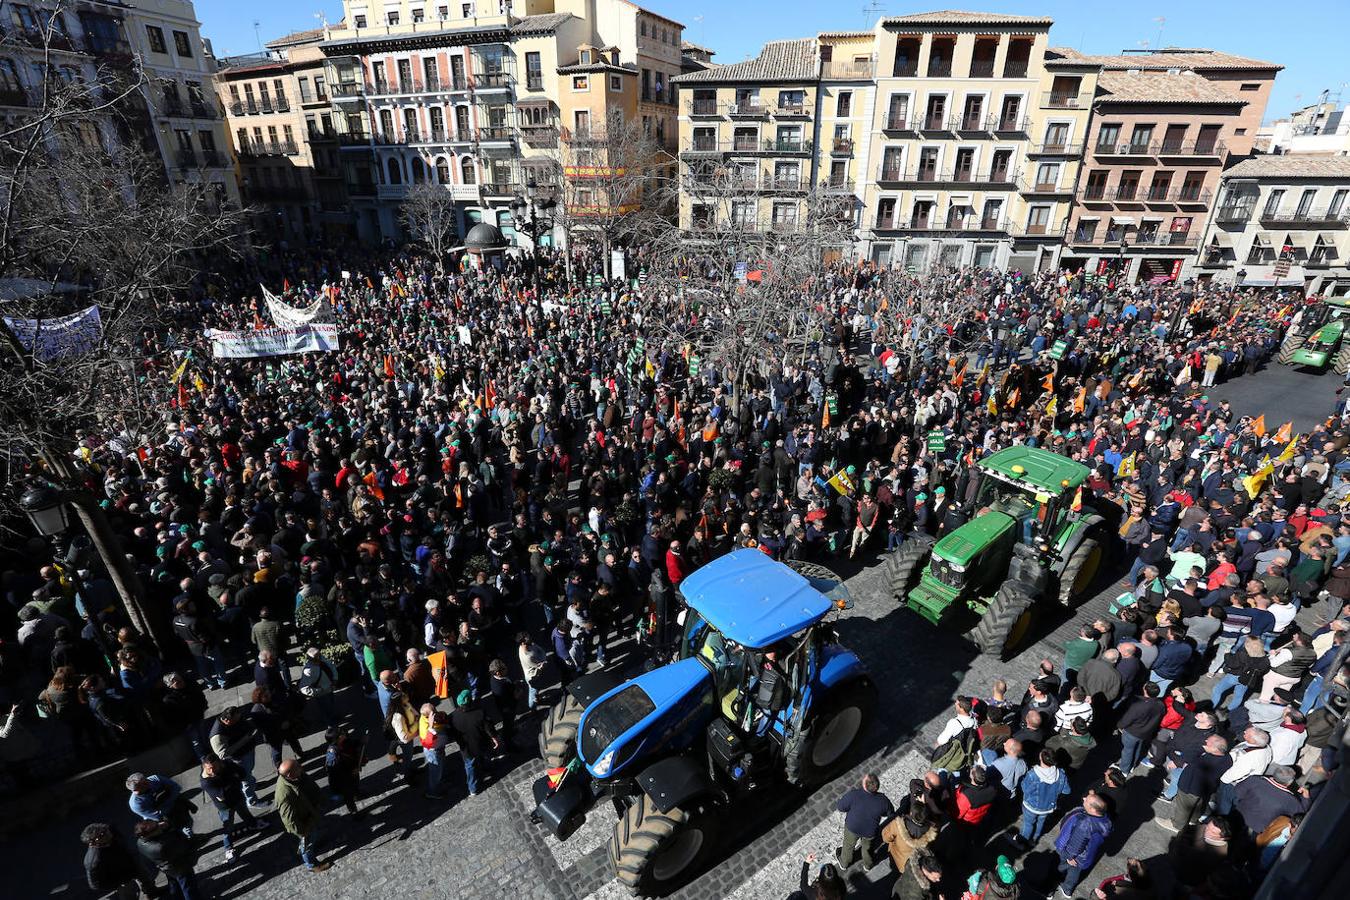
1077 503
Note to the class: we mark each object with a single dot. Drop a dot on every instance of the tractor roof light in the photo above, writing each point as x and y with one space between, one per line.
1064 483
1019 470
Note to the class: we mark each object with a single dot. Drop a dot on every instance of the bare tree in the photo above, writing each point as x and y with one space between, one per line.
610 184
428 213
738 292
88 218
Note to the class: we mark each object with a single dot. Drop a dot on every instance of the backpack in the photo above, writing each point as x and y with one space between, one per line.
958 752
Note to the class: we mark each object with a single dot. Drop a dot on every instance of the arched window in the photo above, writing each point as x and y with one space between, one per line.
395 171
442 170
467 169
419 170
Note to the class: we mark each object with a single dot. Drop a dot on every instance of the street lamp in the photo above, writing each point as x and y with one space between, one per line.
540 213
1120 257
1241 276
45 507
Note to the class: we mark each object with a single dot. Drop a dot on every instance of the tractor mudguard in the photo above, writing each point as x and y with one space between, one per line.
1026 567
1080 530
560 810
674 781
837 666
589 688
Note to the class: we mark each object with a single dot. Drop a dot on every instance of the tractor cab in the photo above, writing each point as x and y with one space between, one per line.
1319 340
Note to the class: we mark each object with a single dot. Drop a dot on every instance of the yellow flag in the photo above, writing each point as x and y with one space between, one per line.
1128 467
841 482
1288 452
182 367
992 406
199 384
1252 483
1052 408
651 369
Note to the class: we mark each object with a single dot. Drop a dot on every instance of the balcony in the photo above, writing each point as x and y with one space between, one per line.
432 84
265 106
1232 214
900 123
1057 100
746 110
748 144
500 188
1131 149
319 133
1160 194
1011 125
702 107
837 185
939 67
211 159
784 185
973 123
494 134
347 90
995 178
787 145
1039 230
457 83
201 110
1215 149
539 135
353 138
842 147
409 85
937 122
173 106
379 88
1095 194
392 138
784 226
1015 68
492 81
982 68
791 111
283 105
847 70
1149 240
186 159
1055 150
1033 186
1308 218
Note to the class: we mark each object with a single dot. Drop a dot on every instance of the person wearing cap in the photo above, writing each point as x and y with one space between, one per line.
475 740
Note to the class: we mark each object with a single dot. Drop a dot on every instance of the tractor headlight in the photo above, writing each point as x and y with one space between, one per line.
604 764
956 567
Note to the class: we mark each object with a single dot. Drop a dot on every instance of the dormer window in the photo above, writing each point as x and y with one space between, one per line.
585 57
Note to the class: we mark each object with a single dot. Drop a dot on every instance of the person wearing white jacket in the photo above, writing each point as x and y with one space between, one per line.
1250 757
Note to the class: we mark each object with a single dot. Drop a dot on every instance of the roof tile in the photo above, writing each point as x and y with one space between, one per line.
791 60
1291 165
1161 87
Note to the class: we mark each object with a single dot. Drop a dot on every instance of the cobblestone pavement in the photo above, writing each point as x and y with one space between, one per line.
485 847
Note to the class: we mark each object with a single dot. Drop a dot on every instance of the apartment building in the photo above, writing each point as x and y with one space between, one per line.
1285 220
747 141
1164 127
847 106
484 96
279 116
961 97
187 123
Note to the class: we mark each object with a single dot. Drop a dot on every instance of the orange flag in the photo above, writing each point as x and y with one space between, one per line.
1080 401
1049 382
825 417
960 378
1259 425
490 395
1285 433
1016 395
375 490
388 366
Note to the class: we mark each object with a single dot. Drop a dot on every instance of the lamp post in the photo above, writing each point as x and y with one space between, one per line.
1241 276
1120 257
531 213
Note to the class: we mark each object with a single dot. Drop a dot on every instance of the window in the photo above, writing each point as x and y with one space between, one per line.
442 171
417 15
289 135
886 212
360 21
466 10
305 95
616 82
844 105
320 91
391 18
580 83
891 162
642 28
1085 231
1108 135
584 57
1305 203
1096 185
1056 136
1250 86
1337 204
182 45
897 115
443 13
534 71
1047 175
581 120
468 174
1273 201
1140 138
155 35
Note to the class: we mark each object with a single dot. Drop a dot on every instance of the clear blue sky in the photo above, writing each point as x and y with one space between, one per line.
1300 34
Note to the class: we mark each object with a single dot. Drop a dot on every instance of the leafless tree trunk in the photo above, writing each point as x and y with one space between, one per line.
428 213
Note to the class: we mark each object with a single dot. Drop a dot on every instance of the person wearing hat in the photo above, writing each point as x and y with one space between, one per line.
475 741
996 883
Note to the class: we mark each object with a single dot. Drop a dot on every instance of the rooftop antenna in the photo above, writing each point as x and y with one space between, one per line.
872 11
257 32
1161 20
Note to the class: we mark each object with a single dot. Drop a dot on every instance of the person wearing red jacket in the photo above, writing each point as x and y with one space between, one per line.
675 564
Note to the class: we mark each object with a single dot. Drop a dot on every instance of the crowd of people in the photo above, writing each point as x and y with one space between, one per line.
500 478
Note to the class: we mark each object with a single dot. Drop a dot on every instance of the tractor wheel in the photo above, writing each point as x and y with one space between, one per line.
1342 360
1291 343
652 851
1006 623
825 740
1080 572
904 565
558 737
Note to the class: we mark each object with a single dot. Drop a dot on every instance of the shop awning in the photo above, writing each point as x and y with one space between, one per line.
1221 239
1122 220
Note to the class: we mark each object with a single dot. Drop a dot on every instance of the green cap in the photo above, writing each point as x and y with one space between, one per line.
1006 873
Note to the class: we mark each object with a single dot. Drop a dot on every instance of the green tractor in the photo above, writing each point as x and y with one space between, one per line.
1319 340
1026 545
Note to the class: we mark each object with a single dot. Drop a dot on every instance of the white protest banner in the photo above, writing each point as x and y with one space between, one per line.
465 336
50 339
273 341
286 316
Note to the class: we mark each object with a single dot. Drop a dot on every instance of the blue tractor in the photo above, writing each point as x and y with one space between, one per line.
760 693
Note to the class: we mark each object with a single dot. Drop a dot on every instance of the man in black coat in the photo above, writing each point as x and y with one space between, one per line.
109 867
475 742
223 781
